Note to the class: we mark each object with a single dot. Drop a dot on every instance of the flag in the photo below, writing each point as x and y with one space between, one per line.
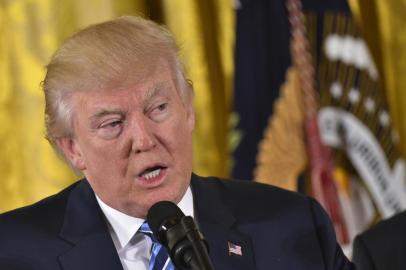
354 118
261 59
340 136
234 249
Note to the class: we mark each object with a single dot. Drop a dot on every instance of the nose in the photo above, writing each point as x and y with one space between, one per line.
142 136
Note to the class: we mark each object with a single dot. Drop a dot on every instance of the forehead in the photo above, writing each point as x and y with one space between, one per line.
133 89
130 96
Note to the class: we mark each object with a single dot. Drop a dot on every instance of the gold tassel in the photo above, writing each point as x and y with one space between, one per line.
282 153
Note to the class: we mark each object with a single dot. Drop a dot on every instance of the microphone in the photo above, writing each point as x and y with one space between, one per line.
179 234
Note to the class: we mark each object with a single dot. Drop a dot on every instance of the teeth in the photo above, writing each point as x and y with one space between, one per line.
151 174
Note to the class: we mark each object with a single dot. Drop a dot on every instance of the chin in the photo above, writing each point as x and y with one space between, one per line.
164 196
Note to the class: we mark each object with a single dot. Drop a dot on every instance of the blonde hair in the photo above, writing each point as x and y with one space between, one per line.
102 56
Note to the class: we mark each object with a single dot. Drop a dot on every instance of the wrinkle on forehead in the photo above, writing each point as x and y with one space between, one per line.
105 100
142 90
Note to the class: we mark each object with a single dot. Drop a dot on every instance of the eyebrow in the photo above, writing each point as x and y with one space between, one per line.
154 91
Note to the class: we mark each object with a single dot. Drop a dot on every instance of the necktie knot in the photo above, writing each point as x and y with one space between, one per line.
145 229
159 255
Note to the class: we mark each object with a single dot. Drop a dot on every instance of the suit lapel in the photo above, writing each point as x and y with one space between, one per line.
229 248
92 248
85 228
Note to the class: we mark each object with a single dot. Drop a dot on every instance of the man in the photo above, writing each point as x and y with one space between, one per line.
119 110
383 246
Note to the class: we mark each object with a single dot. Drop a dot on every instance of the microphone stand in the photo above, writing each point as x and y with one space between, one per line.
198 244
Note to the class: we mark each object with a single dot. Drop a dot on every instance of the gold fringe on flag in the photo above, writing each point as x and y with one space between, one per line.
282 152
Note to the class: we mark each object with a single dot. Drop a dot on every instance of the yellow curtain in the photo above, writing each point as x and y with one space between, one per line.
30 30
382 23
205 32
29 168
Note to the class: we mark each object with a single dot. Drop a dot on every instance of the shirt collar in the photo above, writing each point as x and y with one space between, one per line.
125 226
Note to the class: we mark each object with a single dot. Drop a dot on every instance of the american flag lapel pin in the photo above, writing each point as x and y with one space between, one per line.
234 249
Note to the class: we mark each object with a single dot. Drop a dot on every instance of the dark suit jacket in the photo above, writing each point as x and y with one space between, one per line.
276 229
383 247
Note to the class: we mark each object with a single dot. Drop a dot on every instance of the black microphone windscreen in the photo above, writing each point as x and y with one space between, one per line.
160 212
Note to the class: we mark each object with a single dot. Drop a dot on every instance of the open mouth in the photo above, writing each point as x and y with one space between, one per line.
152 172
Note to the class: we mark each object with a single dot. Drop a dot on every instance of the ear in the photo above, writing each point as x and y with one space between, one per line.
72 152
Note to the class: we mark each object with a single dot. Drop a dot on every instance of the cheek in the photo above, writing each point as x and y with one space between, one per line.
180 135
106 159
107 150
182 146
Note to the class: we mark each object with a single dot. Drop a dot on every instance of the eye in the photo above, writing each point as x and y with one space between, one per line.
111 124
159 112
110 129
162 107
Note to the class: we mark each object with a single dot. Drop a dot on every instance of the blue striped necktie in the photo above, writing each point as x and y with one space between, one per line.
159 255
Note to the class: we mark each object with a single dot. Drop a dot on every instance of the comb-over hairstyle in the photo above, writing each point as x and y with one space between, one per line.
104 56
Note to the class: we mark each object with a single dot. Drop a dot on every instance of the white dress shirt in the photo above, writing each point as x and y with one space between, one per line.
134 249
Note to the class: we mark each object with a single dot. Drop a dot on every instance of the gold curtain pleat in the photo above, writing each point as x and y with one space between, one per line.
31 30
28 166
382 24
204 30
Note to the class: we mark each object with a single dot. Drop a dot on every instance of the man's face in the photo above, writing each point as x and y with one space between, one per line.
133 144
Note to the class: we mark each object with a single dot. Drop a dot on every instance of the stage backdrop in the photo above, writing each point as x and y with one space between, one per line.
30 31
